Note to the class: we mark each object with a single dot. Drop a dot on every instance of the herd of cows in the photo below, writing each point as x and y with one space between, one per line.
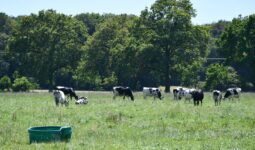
62 94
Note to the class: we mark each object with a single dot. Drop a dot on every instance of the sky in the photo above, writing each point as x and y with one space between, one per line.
207 11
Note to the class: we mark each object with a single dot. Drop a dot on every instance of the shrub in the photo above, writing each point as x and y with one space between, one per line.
221 77
21 84
5 83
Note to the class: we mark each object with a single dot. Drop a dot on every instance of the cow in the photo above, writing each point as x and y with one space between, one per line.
68 91
197 95
152 91
186 93
176 93
82 100
122 91
60 98
232 93
217 96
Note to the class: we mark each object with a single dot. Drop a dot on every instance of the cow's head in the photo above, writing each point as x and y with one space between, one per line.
160 96
227 94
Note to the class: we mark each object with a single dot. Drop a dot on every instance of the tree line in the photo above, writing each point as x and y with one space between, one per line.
161 47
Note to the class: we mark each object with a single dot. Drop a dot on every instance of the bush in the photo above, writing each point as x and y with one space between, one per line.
5 83
221 77
21 84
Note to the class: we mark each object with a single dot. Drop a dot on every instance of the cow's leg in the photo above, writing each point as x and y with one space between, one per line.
114 96
67 103
57 102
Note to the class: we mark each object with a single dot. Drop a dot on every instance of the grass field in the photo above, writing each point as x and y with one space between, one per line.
122 124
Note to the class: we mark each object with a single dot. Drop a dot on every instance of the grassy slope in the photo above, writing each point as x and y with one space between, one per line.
122 124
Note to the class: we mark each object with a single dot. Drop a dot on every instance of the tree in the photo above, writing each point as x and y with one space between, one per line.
45 43
168 23
22 84
5 83
221 77
99 64
237 44
92 20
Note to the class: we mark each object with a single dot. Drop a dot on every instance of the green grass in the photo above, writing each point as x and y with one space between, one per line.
122 124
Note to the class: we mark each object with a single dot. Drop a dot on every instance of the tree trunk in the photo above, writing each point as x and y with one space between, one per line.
167 71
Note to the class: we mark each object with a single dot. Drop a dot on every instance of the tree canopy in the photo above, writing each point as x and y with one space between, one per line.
46 43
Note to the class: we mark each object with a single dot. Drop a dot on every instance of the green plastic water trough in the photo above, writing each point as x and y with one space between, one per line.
49 134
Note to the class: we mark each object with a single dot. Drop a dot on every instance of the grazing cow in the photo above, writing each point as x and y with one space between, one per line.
217 96
232 93
122 91
82 100
197 95
151 91
186 93
60 98
68 91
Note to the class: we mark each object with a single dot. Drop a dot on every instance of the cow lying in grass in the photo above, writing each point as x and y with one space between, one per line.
60 98
82 100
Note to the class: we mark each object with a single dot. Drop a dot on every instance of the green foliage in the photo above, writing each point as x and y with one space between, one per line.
104 51
92 20
5 83
168 23
221 77
15 75
22 84
45 43
237 44
190 74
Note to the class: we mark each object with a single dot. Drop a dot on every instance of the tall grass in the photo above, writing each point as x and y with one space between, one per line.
122 124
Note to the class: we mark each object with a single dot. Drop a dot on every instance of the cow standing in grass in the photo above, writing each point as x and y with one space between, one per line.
60 98
152 91
232 93
186 93
68 91
176 92
217 96
122 91
198 96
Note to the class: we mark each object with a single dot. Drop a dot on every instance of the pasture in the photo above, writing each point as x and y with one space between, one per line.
122 124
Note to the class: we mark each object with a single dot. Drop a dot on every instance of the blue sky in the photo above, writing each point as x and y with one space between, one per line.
207 10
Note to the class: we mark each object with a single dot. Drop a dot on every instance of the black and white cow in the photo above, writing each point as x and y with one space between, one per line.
232 93
122 91
82 100
68 91
152 91
197 95
217 96
60 98
176 93
186 93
